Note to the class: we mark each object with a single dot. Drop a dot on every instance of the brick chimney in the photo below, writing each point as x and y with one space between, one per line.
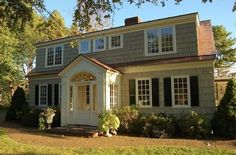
132 21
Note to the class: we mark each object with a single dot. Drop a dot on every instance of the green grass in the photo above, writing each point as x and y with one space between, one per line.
9 146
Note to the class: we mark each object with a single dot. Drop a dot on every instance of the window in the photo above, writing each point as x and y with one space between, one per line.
54 56
143 92
100 44
180 91
160 41
84 46
116 41
71 98
113 96
43 95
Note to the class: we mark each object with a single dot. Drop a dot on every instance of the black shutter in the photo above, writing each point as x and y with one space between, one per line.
56 94
167 92
194 91
155 92
49 94
36 95
132 99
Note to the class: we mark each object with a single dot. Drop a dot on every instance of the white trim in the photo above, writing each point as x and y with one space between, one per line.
150 92
121 41
40 85
62 55
188 91
94 44
89 46
159 41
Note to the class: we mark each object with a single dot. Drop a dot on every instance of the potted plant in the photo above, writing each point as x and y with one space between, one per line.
47 116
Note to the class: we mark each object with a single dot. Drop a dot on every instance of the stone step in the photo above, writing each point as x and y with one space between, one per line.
78 131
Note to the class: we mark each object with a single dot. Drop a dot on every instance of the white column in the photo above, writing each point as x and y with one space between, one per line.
64 93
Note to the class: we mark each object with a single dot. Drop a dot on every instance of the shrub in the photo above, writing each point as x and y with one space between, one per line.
108 122
157 126
18 105
31 118
128 117
46 118
224 120
193 125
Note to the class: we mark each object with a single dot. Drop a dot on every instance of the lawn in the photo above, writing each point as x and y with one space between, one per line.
9 146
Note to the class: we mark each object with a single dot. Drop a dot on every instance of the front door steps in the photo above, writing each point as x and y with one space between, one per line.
75 130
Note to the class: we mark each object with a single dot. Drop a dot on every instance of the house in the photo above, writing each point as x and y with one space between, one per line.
164 65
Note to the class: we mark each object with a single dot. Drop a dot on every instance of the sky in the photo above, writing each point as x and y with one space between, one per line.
219 12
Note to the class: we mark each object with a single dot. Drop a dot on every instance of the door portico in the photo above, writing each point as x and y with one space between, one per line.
83 92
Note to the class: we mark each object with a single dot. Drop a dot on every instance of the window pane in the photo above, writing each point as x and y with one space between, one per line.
58 55
144 92
99 44
113 96
167 39
152 41
50 54
115 41
43 95
180 91
84 46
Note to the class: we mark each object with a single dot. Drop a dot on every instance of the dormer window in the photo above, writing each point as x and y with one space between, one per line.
54 56
160 41
115 41
99 44
84 46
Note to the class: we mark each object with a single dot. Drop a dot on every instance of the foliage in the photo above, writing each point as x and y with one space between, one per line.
31 118
18 105
225 47
127 115
108 121
42 122
157 126
193 125
224 120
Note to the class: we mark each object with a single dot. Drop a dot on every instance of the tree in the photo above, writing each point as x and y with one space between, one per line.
224 120
20 11
224 45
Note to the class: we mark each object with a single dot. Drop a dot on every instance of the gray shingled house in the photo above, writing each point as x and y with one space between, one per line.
164 65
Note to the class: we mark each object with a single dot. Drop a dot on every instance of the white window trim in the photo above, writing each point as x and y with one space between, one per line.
121 42
188 91
40 95
94 44
150 92
117 95
89 48
46 56
159 41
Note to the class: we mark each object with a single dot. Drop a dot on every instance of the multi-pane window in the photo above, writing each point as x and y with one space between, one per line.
152 41
54 56
113 96
84 46
160 41
100 44
87 94
116 41
167 39
180 91
58 55
43 95
143 87
71 98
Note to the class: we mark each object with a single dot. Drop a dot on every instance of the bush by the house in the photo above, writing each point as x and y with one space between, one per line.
108 122
46 118
18 105
31 118
57 118
224 120
193 125
128 117
157 126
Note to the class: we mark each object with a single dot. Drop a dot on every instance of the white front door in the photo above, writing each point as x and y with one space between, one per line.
85 104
